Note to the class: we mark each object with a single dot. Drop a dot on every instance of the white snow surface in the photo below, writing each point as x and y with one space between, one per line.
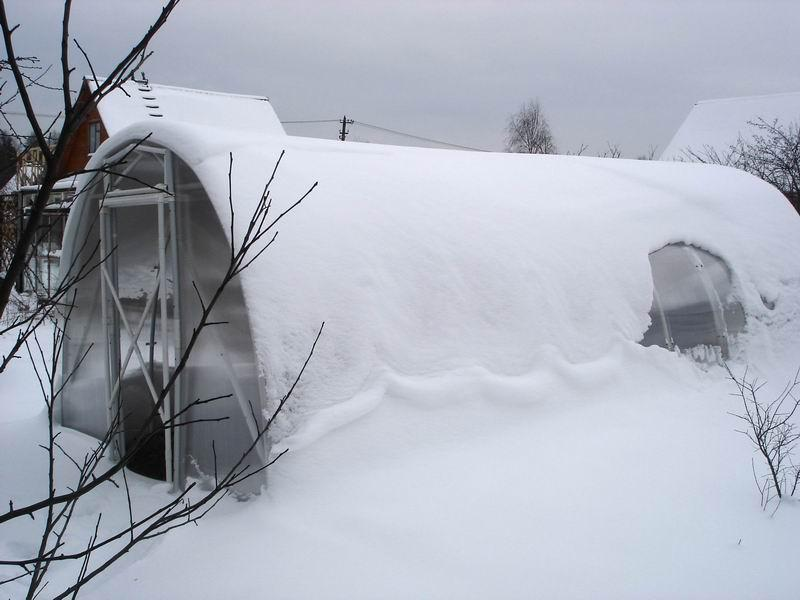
478 420
717 124
136 101
426 262
616 478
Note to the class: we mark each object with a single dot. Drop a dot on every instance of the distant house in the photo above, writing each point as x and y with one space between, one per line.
139 100
135 101
16 197
15 201
753 133
715 125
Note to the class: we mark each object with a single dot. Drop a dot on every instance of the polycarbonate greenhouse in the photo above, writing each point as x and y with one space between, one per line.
140 304
419 261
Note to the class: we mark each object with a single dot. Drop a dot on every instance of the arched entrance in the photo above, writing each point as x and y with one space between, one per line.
161 248
139 289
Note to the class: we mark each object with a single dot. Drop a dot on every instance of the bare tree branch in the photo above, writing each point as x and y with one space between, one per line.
59 506
22 89
65 69
771 429
74 114
771 152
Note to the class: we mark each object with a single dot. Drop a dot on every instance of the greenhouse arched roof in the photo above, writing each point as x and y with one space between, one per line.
429 262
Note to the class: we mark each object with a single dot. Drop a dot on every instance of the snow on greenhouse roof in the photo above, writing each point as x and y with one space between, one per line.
439 263
141 100
718 123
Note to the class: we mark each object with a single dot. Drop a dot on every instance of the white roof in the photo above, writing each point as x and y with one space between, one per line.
718 124
62 185
143 101
455 263
12 185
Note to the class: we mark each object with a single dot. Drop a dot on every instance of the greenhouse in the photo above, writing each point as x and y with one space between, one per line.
419 261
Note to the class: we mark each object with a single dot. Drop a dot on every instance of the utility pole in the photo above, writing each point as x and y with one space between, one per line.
344 131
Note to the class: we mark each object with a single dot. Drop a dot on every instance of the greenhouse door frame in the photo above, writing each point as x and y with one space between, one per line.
115 320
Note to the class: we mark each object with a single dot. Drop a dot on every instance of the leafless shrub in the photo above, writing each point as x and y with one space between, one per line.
579 152
649 155
611 151
770 427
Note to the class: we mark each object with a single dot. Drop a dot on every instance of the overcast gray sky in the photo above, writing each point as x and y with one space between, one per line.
625 72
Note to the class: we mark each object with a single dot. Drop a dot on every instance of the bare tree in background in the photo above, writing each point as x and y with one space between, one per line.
772 153
92 472
528 131
579 152
611 151
649 155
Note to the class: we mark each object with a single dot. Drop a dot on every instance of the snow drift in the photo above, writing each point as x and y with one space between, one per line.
433 263
484 420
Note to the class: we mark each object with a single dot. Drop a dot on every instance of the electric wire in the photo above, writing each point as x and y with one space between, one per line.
17 113
418 137
362 123
388 130
312 121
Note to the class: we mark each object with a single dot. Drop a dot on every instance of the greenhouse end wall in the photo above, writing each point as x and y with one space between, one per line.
222 362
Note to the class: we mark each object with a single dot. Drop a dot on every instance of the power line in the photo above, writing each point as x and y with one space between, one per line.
22 114
304 121
369 125
388 130
312 121
419 137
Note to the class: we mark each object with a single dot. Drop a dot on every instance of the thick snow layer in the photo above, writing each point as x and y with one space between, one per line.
424 262
718 124
478 420
137 101
19 386
621 477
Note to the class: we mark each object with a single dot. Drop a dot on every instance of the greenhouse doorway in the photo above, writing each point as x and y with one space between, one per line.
139 289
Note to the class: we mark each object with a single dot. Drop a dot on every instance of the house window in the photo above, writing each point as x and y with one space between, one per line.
693 304
94 136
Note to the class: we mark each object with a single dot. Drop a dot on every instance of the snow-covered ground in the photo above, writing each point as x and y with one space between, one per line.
478 420
622 477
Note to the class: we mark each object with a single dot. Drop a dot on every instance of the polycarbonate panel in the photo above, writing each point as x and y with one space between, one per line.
692 300
139 170
658 333
137 282
223 361
83 400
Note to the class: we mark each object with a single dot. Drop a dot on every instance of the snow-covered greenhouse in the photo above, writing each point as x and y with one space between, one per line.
419 261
